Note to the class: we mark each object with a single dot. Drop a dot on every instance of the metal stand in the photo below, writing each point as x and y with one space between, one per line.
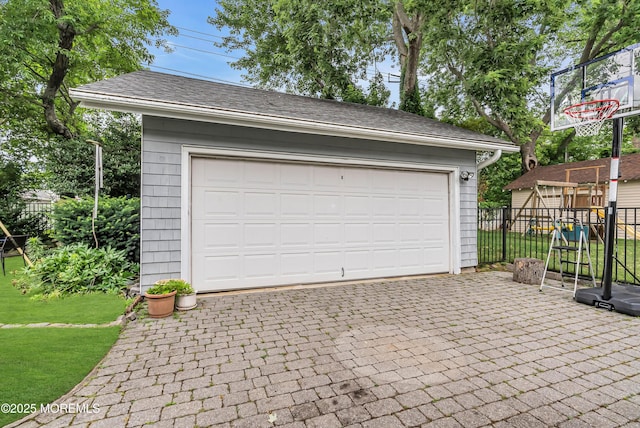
569 230
624 299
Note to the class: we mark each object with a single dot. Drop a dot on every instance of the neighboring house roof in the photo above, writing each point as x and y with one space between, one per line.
40 195
629 170
166 95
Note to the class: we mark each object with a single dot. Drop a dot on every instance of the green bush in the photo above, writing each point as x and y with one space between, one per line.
165 286
117 224
77 269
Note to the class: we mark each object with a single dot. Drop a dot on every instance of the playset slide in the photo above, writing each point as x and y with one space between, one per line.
629 230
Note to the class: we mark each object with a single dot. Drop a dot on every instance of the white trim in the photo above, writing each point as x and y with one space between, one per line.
253 120
188 152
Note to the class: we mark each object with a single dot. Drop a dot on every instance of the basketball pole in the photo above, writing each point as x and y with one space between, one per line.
610 223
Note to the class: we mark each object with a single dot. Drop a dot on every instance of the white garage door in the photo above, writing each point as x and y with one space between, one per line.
256 223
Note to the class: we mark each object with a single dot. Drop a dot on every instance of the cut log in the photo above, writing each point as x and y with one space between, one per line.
528 270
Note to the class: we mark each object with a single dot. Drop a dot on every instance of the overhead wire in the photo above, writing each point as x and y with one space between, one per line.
370 72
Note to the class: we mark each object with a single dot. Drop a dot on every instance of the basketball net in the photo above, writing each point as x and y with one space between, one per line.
588 117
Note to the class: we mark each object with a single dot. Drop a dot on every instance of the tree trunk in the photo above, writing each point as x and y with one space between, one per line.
66 34
407 36
410 92
528 270
528 155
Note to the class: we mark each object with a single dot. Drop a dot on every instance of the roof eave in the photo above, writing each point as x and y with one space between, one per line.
231 117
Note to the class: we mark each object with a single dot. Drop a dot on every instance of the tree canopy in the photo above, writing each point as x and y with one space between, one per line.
49 46
308 47
494 58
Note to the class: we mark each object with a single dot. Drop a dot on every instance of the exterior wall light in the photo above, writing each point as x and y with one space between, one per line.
466 175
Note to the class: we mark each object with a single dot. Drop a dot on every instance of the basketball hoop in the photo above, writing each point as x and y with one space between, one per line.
588 117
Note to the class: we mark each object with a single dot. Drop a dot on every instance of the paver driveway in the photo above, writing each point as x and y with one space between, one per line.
469 350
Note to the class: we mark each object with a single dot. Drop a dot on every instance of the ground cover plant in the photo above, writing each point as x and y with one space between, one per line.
38 365
75 269
20 308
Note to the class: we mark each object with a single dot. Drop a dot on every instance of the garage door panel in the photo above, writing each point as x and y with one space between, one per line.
218 236
383 206
328 234
411 257
411 232
296 176
264 235
433 208
226 173
408 207
222 269
357 234
263 266
327 178
296 235
296 205
384 233
383 259
356 180
357 206
327 206
382 181
433 259
296 264
358 261
217 203
268 223
263 175
329 262
263 204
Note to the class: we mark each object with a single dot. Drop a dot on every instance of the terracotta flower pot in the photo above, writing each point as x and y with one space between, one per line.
160 305
186 302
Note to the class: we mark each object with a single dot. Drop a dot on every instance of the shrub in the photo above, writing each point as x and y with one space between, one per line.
117 224
79 269
163 286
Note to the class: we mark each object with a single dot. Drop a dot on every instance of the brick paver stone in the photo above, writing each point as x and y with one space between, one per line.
374 354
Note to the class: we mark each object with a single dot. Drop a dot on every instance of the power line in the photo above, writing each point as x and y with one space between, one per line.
201 50
199 32
214 79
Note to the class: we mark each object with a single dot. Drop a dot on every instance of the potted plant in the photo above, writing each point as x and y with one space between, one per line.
161 299
185 295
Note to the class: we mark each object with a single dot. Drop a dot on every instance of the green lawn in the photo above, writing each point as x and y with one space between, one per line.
38 365
78 309
537 246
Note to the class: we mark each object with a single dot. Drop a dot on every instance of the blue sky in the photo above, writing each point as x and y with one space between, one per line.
194 54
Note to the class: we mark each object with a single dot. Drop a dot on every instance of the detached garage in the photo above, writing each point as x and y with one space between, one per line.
244 188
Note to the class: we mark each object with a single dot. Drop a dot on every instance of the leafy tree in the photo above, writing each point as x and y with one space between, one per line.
12 204
498 55
324 48
69 164
48 46
309 47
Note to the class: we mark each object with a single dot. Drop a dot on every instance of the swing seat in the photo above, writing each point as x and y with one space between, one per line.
573 233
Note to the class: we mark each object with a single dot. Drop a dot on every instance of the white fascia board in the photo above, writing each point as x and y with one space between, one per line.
231 117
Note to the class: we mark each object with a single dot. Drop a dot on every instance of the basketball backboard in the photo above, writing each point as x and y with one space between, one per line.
613 76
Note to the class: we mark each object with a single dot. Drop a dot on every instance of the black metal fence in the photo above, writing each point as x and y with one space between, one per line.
505 234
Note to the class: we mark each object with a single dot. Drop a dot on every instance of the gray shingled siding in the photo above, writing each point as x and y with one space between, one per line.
161 157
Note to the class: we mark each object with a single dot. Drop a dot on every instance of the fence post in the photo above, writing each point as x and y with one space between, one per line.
504 233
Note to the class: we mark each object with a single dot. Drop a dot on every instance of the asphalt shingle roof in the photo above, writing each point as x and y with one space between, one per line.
177 90
629 170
